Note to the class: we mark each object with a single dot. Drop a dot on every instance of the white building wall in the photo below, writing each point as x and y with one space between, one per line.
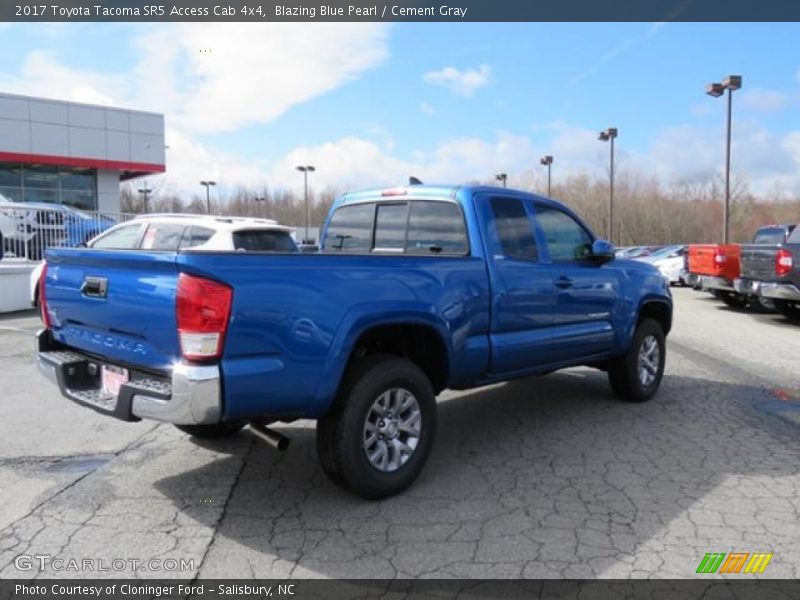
108 191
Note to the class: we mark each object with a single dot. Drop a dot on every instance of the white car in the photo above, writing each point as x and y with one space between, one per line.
189 232
671 261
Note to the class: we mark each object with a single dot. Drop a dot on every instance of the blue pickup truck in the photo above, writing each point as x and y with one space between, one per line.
415 290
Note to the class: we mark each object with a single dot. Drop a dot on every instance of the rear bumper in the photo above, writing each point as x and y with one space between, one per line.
190 395
780 291
709 282
748 287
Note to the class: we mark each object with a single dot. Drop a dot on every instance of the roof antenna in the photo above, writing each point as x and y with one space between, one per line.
414 181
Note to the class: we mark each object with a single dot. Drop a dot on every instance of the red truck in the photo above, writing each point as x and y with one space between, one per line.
716 267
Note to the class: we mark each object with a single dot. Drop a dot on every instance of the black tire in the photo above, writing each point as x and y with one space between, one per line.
789 309
340 434
623 374
211 432
733 299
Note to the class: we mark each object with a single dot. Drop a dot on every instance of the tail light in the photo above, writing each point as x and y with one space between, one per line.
43 297
202 308
720 258
783 262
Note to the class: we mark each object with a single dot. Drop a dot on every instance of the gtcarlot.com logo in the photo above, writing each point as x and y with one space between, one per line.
735 562
48 562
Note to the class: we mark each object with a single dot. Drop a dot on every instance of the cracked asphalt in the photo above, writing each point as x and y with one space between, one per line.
547 477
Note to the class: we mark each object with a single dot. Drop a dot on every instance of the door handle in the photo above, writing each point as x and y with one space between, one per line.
564 282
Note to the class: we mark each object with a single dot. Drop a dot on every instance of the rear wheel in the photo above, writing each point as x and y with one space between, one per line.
733 299
378 437
211 432
635 377
790 310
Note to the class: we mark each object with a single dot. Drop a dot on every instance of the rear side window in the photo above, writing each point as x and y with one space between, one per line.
567 240
350 229
123 238
795 237
196 236
514 229
436 227
262 240
773 235
163 236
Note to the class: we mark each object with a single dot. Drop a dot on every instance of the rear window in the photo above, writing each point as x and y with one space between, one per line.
262 240
350 229
772 235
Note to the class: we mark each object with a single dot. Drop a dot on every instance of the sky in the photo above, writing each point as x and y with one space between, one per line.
373 103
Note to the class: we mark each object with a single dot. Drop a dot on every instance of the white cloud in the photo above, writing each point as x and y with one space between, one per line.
428 109
252 73
763 100
461 83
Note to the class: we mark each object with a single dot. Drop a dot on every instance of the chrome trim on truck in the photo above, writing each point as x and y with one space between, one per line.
780 291
192 395
709 282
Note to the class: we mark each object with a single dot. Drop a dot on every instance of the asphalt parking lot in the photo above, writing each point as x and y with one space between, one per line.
541 478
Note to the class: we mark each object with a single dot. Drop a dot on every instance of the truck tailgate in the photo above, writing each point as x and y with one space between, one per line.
758 261
118 305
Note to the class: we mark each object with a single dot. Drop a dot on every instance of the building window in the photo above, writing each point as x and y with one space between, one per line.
76 187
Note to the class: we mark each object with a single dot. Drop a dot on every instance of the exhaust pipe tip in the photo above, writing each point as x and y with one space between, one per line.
272 438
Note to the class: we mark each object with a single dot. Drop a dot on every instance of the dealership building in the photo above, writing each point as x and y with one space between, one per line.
75 154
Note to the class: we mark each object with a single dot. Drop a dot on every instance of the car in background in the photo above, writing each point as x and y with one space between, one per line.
188 232
671 261
28 228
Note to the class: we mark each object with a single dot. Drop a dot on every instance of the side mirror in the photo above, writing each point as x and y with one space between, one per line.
602 252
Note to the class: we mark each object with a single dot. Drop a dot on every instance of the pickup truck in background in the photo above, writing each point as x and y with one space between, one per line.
772 271
415 290
716 267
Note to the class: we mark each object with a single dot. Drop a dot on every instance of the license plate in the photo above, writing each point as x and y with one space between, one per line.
113 378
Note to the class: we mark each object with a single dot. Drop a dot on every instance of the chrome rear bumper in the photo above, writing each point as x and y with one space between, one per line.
190 395
780 291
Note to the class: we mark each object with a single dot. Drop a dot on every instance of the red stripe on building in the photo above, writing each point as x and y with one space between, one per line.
71 161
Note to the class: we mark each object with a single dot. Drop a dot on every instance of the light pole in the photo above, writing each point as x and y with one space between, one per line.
145 191
502 177
609 135
730 83
547 161
306 170
208 185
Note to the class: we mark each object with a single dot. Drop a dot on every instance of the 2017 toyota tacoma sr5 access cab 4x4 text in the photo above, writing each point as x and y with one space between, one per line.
415 290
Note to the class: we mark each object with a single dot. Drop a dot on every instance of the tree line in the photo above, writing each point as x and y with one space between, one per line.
645 210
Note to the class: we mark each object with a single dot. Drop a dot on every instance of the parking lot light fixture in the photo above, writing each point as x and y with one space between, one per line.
502 177
715 90
547 160
208 185
145 192
305 170
609 135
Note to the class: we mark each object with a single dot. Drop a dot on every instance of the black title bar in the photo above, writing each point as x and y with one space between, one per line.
400 10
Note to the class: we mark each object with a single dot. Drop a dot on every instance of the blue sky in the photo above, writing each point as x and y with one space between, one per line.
373 103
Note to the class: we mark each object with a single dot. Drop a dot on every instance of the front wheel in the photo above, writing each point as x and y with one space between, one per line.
635 377
378 437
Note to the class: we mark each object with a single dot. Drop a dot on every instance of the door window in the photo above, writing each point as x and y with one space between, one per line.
567 240
513 229
123 238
